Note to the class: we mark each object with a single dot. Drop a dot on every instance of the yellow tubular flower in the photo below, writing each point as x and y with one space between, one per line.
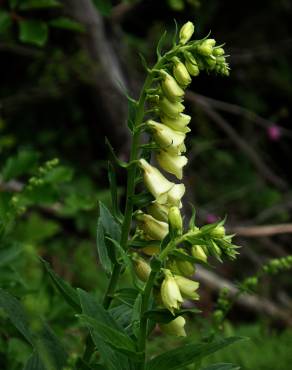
153 229
158 211
155 182
169 108
186 32
187 287
175 194
167 138
181 73
170 293
174 327
171 88
178 124
172 163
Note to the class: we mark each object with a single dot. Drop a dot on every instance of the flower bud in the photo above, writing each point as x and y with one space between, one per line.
206 47
169 108
174 327
142 268
153 229
185 268
171 88
180 73
218 52
158 211
193 69
187 287
218 232
199 253
175 220
171 163
186 32
155 182
172 266
150 250
175 194
170 293
179 124
170 140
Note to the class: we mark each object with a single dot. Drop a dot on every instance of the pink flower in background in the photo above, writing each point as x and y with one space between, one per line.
211 218
274 132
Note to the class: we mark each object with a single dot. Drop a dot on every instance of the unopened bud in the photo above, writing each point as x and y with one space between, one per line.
175 221
186 32
191 64
170 293
185 268
199 253
206 47
158 211
150 250
187 287
218 232
142 268
172 163
171 88
218 52
181 73
174 327
153 229
155 182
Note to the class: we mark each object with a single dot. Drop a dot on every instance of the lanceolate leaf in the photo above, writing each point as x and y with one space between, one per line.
111 227
102 248
111 358
33 32
221 366
68 292
114 338
17 315
188 354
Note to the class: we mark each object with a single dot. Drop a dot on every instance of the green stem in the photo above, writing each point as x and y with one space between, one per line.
144 321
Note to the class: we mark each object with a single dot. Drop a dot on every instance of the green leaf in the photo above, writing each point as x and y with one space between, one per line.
8 254
5 21
136 315
34 363
111 227
67 291
17 315
103 6
33 32
113 337
188 354
114 191
221 366
20 164
185 257
67 24
113 156
102 248
160 44
39 4
165 316
91 307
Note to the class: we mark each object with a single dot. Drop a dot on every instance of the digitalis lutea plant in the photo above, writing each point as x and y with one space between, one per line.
163 252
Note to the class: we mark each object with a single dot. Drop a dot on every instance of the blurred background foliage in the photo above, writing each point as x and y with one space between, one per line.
64 66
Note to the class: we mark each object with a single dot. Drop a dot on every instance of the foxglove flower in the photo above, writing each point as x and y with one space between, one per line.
172 163
170 293
170 87
175 194
187 287
152 228
155 182
179 124
169 108
175 327
186 32
181 73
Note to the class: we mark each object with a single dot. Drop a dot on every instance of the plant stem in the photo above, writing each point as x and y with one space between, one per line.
144 321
